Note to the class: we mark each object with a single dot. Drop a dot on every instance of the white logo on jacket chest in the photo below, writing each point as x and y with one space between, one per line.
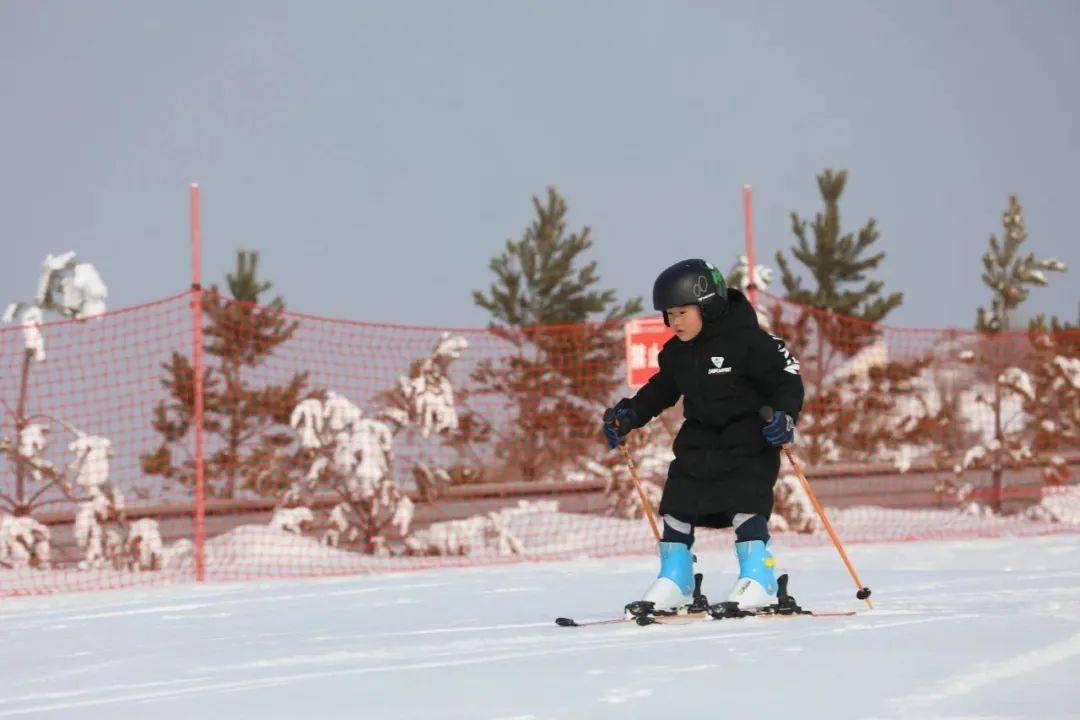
719 363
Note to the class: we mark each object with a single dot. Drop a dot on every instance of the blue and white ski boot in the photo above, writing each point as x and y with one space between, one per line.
756 586
674 586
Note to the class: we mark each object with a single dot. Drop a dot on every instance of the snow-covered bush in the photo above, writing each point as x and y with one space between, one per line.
97 532
178 555
295 520
487 534
352 454
1059 504
426 395
91 462
73 290
24 542
307 420
143 548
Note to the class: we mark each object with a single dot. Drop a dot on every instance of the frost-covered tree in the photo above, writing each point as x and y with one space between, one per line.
425 397
72 290
555 380
1009 274
1035 409
1009 445
739 275
247 424
352 455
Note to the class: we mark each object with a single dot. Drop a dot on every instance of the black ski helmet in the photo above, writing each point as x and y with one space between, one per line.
691 282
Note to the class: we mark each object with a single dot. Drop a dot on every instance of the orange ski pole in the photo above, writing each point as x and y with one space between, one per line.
863 592
641 493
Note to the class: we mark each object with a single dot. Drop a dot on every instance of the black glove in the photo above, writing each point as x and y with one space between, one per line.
618 421
780 430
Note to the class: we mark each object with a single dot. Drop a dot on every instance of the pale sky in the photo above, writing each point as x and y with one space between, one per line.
378 154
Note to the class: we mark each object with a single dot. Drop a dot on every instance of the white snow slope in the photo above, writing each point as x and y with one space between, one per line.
976 629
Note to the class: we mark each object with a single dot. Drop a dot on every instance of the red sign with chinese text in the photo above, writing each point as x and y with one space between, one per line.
644 338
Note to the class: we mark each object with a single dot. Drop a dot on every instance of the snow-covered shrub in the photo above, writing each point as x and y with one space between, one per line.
1059 504
143 547
487 534
307 420
91 463
295 520
24 542
178 555
96 533
71 288
353 454
339 413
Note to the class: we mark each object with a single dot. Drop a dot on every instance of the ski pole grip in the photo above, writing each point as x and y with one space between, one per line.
766 413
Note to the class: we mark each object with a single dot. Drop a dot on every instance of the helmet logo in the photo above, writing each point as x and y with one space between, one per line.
701 286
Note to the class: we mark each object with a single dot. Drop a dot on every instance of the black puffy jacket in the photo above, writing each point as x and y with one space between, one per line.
725 375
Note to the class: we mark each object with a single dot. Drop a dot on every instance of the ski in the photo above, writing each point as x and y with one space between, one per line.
681 619
641 612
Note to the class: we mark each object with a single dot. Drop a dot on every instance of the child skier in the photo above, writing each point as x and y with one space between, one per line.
726 369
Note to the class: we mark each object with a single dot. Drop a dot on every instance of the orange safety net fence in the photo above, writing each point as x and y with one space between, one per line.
334 447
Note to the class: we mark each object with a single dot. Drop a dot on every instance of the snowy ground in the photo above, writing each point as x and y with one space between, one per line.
978 629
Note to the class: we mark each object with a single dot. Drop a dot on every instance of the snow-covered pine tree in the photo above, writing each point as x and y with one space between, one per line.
1010 277
246 423
72 290
351 456
556 381
1008 274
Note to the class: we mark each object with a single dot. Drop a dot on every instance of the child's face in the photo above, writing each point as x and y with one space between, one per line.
685 321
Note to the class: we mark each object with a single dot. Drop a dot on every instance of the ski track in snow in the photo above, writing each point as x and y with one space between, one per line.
987 628
989 673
